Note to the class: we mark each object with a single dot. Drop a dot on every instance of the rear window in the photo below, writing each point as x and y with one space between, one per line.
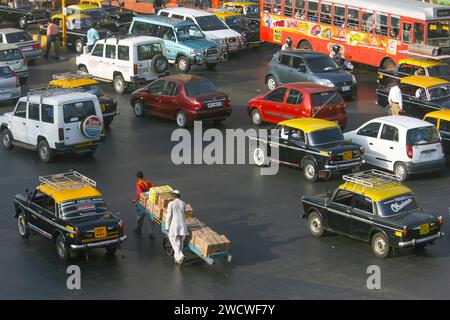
18 37
397 205
6 72
77 111
422 136
10 54
83 208
323 98
199 88
325 136
148 50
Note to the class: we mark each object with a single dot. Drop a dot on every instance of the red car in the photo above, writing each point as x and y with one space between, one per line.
183 98
298 100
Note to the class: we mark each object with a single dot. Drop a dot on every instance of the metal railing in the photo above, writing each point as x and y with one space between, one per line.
67 181
371 178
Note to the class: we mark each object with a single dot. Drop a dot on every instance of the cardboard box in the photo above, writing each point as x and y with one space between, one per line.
157 211
143 197
163 214
209 242
194 224
164 199
149 207
155 192
188 211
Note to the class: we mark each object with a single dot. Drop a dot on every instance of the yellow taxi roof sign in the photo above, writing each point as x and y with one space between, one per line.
309 125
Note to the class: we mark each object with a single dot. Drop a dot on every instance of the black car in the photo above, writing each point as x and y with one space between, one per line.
238 24
374 207
68 210
315 145
100 11
22 13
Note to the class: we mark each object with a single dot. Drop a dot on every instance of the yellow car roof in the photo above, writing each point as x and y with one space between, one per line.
82 7
226 14
441 114
240 3
309 125
422 63
66 194
423 81
71 16
378 193
89 1
73 83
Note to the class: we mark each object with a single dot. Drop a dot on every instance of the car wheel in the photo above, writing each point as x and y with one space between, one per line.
211 66
111 250
167 247
22 225
22 22
7 139
45 153
256 117
272 82
260 156
310 170
138 109
83 69
380 245
401 171
315 224
183 64
79 44
120 86
62 250
159 64
181 119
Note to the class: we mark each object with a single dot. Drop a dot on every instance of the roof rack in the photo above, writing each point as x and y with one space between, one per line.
71 75
50 92
371 178
67 181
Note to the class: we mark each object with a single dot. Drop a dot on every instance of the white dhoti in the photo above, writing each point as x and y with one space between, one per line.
177 243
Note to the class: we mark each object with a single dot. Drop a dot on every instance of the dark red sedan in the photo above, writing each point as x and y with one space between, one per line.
298 100
183 98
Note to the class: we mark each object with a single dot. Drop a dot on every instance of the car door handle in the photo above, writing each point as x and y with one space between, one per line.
392 148
67 129
370 144
24 123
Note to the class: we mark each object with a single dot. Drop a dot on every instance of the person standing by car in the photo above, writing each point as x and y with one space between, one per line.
287 45
92 36
176 225
142 185
395 100
52 38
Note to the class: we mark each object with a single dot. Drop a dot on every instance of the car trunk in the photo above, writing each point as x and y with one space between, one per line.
327 105
419 224
424 144
212 101
97 228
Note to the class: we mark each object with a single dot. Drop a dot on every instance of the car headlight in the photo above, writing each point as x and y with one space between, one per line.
327 83
354 79
197 52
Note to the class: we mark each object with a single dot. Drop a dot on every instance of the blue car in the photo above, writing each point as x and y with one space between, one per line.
185 42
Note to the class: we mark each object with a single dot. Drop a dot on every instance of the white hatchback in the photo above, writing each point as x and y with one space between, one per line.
400 144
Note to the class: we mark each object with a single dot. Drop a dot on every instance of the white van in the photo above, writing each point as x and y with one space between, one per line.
214 29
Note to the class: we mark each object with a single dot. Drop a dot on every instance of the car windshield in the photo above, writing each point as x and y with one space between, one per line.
6 72
210 23
438 33
74 112
235 21
397 205
439 71
439 92
422 136
189 33
83 208
325 136
321 64
94 89
10 54
252 9
324 98
199 88
23 4
18 37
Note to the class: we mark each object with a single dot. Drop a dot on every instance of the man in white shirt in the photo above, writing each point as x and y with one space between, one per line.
395 100
176 225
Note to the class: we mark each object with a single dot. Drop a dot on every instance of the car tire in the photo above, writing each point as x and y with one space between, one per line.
62 250
255 117
181 119
315 224
401 171
380 245
183 64
111 250
22 22
45 153
211 66
138 108
83 69
167 247
271 82
159 64
310 170
7 139
260 156
22 225
120 86
79 45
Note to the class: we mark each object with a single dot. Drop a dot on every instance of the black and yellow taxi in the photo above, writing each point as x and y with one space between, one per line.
441 119
374 207
413 67
315 145
421 95
101 9
250 10
67 209
81 81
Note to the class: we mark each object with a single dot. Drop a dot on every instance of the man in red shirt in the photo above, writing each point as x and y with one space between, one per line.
142 185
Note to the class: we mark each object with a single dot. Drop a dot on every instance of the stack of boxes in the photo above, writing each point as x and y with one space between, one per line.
208 241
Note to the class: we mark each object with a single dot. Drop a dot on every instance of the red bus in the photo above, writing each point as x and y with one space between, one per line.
372 32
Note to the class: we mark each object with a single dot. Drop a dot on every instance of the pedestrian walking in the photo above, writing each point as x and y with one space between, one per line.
395 100
142 185
52 39
176 225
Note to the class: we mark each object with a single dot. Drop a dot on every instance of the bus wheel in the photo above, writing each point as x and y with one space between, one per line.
387 64
304 45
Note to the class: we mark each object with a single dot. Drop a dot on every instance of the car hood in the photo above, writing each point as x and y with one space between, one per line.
337 147
200 44
413 219
221 34
335 76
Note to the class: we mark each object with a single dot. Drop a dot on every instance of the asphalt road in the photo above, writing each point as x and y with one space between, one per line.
274 257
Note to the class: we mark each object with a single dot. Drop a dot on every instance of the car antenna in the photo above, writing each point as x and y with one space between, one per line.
323 105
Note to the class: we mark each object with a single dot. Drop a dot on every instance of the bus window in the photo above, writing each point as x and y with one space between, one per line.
395 27
367 22
352 19
325 13
406 36
418 33
277 7
267 6
313 8
381 24
438 32
300 9
339 16
288 8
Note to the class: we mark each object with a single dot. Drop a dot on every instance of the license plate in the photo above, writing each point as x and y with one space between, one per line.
103 107
214 104
100 232
346 88
424 229
347 155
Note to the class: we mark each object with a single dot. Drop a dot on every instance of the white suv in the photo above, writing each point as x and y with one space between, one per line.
127 61
54 121
400 144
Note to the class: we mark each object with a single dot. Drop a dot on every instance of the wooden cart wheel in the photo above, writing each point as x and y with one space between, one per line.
167 247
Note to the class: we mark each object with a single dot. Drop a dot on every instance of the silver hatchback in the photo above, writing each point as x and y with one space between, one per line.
30 48
9 84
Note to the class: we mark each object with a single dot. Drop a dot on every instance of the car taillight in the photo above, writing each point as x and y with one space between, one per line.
441 220
36 46
122 226
228 102
61 134
330 156
135 68
314 111
405 231
409 151
197 105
